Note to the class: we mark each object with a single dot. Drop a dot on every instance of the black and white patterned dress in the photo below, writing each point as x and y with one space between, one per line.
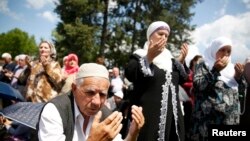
156 90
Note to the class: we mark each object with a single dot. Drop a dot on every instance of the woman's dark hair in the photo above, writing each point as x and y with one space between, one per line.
194 60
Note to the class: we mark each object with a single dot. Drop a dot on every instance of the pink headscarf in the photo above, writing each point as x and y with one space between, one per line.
71 69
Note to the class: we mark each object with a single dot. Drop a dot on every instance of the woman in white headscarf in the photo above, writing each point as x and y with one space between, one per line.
45 79
217 84
156 76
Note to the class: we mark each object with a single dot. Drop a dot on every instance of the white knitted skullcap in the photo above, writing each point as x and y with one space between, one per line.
119 94
92 69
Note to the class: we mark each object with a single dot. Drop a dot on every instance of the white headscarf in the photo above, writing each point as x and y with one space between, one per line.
227 74
163 60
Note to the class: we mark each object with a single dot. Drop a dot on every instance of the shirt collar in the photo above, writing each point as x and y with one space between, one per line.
76 110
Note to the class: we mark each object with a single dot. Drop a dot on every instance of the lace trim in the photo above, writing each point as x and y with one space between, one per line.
145 67
164 107
174 102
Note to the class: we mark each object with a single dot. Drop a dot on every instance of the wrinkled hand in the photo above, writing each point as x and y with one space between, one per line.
221 63
239 68
44 60
154 49
137 121
106 130
184 52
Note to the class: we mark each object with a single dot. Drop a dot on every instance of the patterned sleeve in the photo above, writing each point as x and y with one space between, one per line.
203 77
183 71
138 67
226 101
53 72
145 67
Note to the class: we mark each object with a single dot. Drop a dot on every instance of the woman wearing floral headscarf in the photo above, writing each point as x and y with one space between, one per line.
156 76
217 84
45 78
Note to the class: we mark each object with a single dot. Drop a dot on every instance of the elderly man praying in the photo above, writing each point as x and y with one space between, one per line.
77 115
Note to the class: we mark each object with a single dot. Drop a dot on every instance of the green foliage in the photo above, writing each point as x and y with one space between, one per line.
79 29
90 28
17 42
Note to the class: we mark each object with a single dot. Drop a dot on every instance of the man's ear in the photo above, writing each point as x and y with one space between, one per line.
73 87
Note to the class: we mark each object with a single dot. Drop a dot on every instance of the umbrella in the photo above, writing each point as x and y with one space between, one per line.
8 92
26 113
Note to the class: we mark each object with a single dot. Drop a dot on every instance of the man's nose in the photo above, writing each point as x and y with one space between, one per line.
96 99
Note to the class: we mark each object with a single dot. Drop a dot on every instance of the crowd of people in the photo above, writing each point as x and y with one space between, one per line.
90 102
